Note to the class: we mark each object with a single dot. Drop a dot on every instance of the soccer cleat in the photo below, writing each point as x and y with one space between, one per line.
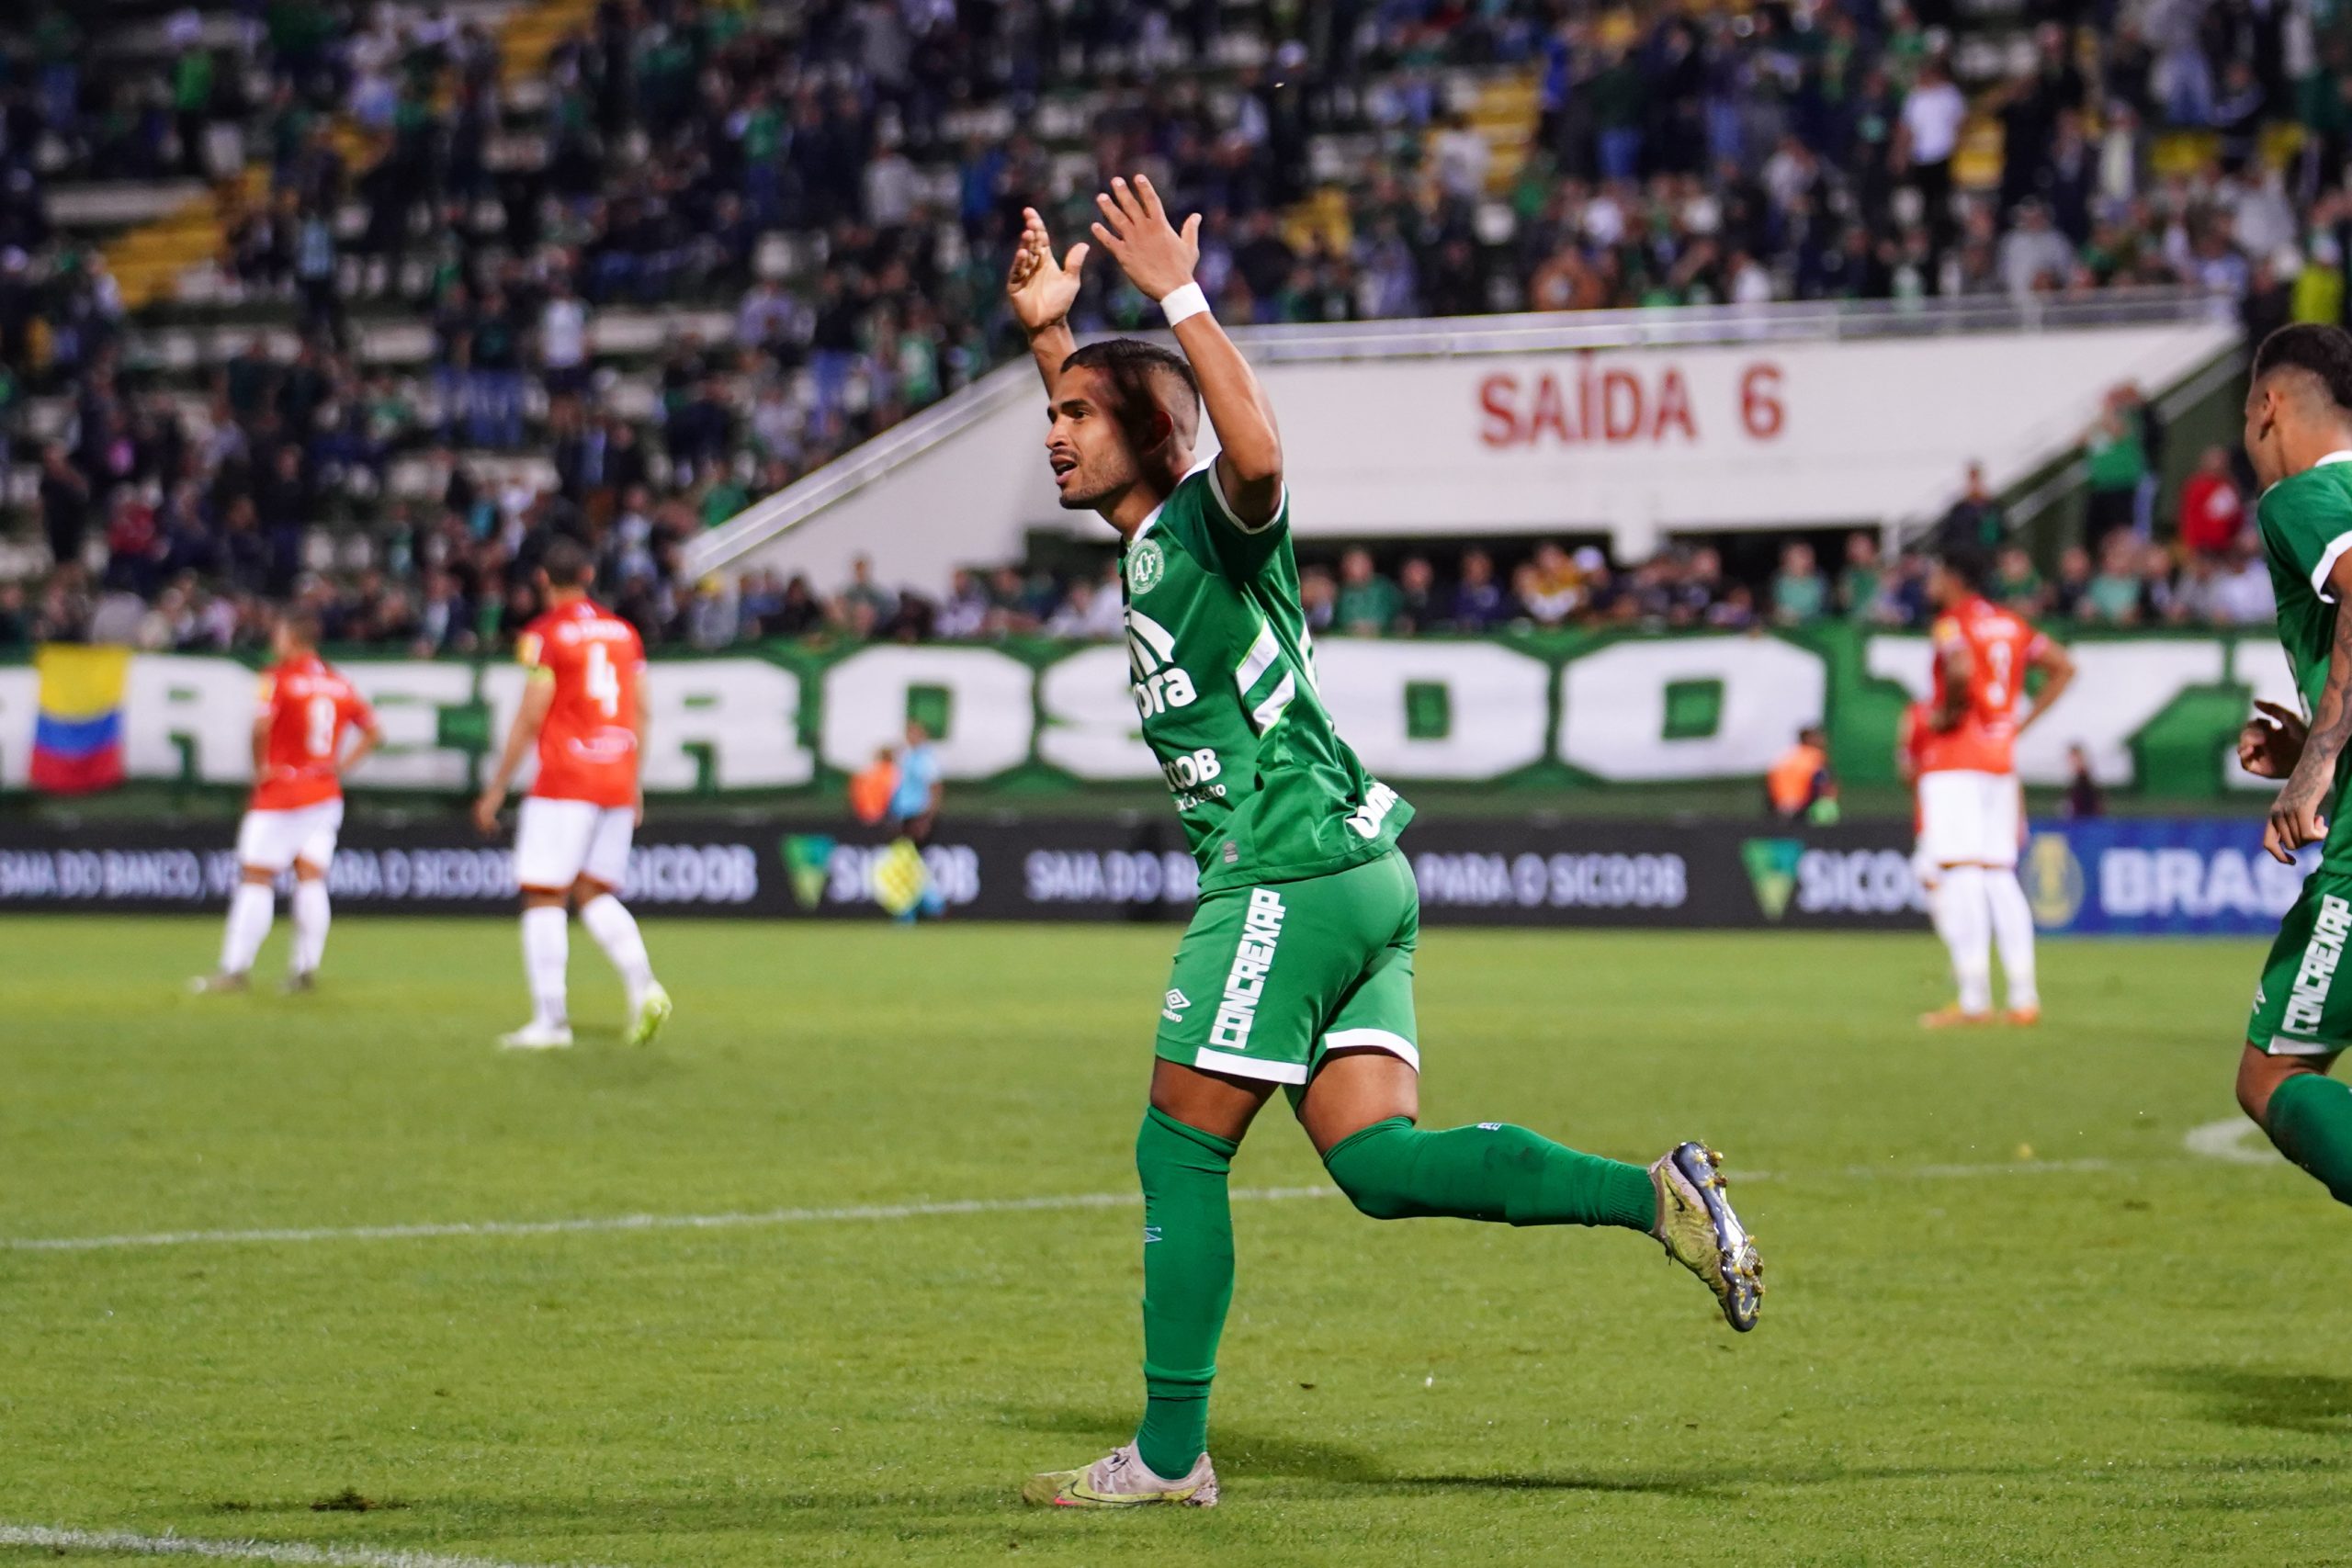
652 1012
1699 1232
2024 1017
220 985
300 981
1954 1017
1121 1480
535 1036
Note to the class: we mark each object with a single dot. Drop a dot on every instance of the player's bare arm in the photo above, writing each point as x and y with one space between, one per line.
370 737
1042 291
2299 814
2272 741
1159 260
261 743
538 695
2057 667
642 720
1953 656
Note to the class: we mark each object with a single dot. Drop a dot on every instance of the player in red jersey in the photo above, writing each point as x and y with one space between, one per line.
584 713
307 712
1971 804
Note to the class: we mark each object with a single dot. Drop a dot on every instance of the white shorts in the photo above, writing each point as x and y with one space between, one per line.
1969 818
558 842
276 839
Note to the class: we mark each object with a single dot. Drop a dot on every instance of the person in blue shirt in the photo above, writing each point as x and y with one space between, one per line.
914 806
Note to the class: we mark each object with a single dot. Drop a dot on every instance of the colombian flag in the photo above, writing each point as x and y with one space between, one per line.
77 739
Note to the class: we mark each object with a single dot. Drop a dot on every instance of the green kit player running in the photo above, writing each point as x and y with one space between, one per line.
1298 970
2299 435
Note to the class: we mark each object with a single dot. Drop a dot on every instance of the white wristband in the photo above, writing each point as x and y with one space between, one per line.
1185 303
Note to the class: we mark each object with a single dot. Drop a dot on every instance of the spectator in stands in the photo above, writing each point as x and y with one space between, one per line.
1479 604
1367 602
1973 521
1860 578
2113 595
2116 448
2212 513
1800 593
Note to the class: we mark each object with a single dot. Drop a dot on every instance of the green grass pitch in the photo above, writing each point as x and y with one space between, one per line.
2013 1318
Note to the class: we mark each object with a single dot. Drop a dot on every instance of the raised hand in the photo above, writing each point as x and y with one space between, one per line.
1042 290
1157 257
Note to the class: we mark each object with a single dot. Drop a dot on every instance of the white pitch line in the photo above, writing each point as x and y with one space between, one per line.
608 1223
2229 1139
612 1223
168 1545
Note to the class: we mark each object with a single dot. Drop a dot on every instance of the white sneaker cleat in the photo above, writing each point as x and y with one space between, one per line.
652 1012
536 1036
220 985
1696 1222
1121 1480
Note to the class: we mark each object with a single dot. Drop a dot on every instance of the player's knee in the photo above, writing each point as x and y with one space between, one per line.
305 872
260 876
2259 1076
1374 1169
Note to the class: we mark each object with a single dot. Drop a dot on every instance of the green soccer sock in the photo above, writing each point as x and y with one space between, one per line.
2311 1120
1187 1285
1392 1170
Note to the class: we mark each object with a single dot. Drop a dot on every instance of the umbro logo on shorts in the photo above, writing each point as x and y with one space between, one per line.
1173 1008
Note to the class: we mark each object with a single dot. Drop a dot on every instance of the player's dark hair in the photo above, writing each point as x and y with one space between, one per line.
567 565
1969 564
1143 377
2323 352
302 626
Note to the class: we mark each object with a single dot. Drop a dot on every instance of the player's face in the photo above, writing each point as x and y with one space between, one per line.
1091 460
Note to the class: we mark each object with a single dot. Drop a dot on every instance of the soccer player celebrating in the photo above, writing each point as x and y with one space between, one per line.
583 710
1298 970
1971 804
2299 435
307 712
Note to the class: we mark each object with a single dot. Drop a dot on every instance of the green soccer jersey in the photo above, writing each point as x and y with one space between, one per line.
1223 678
2306 522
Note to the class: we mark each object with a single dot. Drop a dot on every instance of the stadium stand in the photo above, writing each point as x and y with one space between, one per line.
360 306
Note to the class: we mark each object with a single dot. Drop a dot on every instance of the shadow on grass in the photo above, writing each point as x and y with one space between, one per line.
1242 1452
2244 1396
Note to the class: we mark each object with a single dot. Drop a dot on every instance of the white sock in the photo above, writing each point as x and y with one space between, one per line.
2013 934
310 916
251 909
616 931
1965 923
546 950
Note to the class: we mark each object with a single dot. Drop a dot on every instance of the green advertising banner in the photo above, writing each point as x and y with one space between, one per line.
2154 713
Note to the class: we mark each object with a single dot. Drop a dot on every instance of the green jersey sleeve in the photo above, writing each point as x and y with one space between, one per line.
1241 549
2306 524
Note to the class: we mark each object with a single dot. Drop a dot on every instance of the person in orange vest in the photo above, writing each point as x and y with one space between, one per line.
1799 786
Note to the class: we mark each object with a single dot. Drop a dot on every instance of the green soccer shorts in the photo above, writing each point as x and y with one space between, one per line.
2300 1010
1267 979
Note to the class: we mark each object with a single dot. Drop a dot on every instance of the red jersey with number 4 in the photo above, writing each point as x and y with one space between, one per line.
310 709
2000 647
588 745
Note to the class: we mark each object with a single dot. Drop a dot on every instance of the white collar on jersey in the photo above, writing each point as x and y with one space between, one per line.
1153 515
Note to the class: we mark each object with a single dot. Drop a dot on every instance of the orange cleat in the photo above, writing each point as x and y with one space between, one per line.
1954 1017
2024 1018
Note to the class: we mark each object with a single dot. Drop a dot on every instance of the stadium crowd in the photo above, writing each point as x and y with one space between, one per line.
842 180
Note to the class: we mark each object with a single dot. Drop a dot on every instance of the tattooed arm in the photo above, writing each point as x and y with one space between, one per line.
2299 815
